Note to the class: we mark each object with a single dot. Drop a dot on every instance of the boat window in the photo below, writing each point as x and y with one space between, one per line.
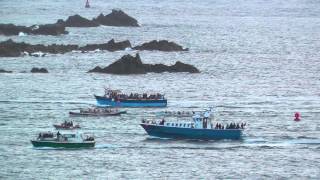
184 125
177 124
172 124
168 124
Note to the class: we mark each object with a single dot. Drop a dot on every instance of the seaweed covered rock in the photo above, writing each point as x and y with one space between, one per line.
46 29
39 70
110 46
77 21
116 18
4 71
162 45
10 48
133 65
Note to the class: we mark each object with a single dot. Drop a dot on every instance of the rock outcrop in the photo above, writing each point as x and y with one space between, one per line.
49 29
11 29
46 29
4 71
133 65
162 45
77 21
110 46
39 70
116 18
10 48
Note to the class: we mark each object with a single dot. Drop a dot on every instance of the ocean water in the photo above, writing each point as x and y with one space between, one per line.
259 63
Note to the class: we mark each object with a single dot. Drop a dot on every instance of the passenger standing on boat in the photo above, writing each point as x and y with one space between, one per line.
58 135
162 122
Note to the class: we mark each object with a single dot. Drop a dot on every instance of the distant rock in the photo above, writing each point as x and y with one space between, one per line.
10 48
162 45
77 21
133 65
47 29
116 18
39 70
4 71
11 29
110 46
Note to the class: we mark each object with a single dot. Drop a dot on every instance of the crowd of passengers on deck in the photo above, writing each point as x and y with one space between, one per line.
230 126
191 125
96 110
116 96
45 135
67 124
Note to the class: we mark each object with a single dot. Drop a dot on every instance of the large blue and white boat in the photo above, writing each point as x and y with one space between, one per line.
200 127
115 98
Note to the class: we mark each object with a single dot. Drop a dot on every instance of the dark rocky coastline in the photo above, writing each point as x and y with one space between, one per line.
133 65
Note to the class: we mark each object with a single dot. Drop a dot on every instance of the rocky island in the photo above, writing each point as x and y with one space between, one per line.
10 48
133 65
39 70
77 21
162 45
5 71
115 18
46 29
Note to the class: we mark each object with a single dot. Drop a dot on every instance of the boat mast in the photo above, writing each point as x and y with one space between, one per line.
87 4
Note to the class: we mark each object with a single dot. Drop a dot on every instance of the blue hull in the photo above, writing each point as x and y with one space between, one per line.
191 133
131 103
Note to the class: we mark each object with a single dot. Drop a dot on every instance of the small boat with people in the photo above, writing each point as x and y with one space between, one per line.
67 126
64 140
116 98
98 111
200 127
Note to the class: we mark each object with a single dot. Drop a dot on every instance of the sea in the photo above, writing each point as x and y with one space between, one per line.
259 63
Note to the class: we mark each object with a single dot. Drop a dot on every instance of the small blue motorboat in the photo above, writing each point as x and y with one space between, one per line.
115 98
200 127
